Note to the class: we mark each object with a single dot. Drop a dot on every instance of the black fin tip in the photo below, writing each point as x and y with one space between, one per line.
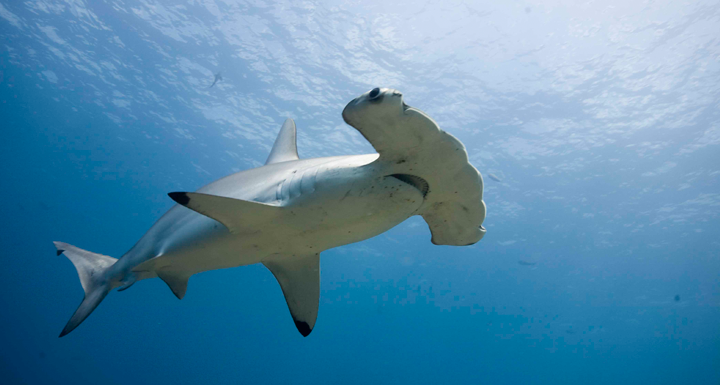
303 327
180 197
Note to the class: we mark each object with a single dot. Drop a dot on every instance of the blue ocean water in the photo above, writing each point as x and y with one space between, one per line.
599 122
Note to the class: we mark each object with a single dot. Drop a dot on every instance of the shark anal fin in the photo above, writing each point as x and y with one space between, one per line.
285 147
236 214
176 281
126 286
299 278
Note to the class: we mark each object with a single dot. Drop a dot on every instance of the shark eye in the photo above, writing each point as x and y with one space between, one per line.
374 93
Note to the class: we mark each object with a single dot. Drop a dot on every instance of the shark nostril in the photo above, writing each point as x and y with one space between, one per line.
374 93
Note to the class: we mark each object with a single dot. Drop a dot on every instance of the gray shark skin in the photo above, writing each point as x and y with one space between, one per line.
285 213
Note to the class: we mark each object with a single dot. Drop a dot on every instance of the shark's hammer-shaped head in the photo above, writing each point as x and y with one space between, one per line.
379 114
419 153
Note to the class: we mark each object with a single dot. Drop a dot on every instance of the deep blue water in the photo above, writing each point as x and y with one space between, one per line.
600 120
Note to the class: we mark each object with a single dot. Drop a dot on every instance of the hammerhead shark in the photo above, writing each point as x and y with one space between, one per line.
287 212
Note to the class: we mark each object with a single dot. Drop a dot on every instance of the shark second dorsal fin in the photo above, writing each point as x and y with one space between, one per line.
299 278
285 147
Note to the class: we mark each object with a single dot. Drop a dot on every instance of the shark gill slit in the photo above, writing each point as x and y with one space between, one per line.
415 181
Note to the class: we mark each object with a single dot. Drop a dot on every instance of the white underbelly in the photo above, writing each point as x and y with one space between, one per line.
334 206
313 223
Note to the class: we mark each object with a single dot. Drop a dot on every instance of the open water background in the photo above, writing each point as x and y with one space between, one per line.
600 119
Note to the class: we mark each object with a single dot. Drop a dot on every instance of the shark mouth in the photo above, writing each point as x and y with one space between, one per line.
415 181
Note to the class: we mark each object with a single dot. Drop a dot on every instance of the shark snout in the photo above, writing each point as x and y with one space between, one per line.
381 101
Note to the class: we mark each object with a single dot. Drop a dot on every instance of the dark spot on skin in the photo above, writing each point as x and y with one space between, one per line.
401 161
302 327
180 197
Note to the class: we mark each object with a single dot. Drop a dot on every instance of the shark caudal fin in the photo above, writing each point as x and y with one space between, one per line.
91 269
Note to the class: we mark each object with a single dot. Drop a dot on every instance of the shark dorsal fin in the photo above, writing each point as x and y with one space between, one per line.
285 147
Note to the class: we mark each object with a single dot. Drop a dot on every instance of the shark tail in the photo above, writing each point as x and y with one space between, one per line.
92 269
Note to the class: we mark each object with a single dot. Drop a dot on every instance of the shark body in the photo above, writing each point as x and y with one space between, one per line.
218 77
285 213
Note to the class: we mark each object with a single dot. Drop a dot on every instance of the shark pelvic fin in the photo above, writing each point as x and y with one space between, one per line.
237 215
176 281
285 147
299 278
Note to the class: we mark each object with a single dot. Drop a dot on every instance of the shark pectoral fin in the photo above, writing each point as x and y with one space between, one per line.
236 214
285 147
176 281
299 278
